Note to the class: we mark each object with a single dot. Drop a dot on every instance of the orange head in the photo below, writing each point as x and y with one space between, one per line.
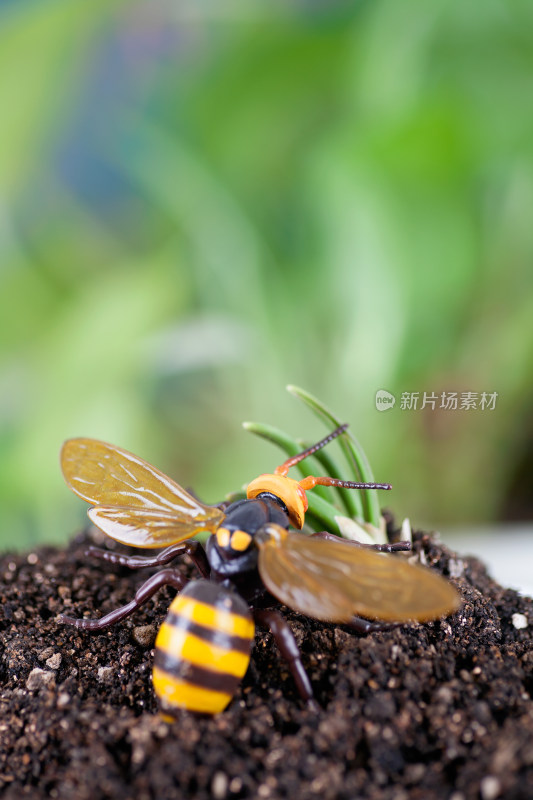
289 491
293 493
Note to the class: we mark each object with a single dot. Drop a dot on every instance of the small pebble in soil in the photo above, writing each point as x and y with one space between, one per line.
490 788
145 635
105 674
39 679
54 662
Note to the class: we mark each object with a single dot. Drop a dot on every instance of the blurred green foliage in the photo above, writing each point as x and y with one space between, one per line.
200 202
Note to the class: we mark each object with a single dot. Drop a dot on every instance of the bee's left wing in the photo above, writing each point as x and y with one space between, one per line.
135 503
334 581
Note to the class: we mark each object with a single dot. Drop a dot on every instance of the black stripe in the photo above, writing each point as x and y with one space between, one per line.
210 635
215 595
199 676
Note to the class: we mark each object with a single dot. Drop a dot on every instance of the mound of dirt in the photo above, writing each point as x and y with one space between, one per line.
441 710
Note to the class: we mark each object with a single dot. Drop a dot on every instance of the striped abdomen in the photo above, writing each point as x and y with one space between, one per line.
202 649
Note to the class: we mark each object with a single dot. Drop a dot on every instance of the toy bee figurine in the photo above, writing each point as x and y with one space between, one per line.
253 562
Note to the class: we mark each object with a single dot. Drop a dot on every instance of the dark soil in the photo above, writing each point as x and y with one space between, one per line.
441 710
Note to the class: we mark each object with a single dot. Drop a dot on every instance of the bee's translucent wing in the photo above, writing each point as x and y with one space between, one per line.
136 504
334 581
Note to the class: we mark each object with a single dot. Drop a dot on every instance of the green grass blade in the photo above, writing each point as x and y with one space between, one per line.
352 450
321 514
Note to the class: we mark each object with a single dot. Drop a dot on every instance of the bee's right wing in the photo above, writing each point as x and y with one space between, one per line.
335 581
135 503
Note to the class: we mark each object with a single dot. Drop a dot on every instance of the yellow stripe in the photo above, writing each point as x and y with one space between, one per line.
212 617
180 643
174 692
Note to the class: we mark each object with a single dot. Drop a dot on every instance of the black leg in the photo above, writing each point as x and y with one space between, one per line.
361 625
380 548
193 549
167 577
389 547
288 648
